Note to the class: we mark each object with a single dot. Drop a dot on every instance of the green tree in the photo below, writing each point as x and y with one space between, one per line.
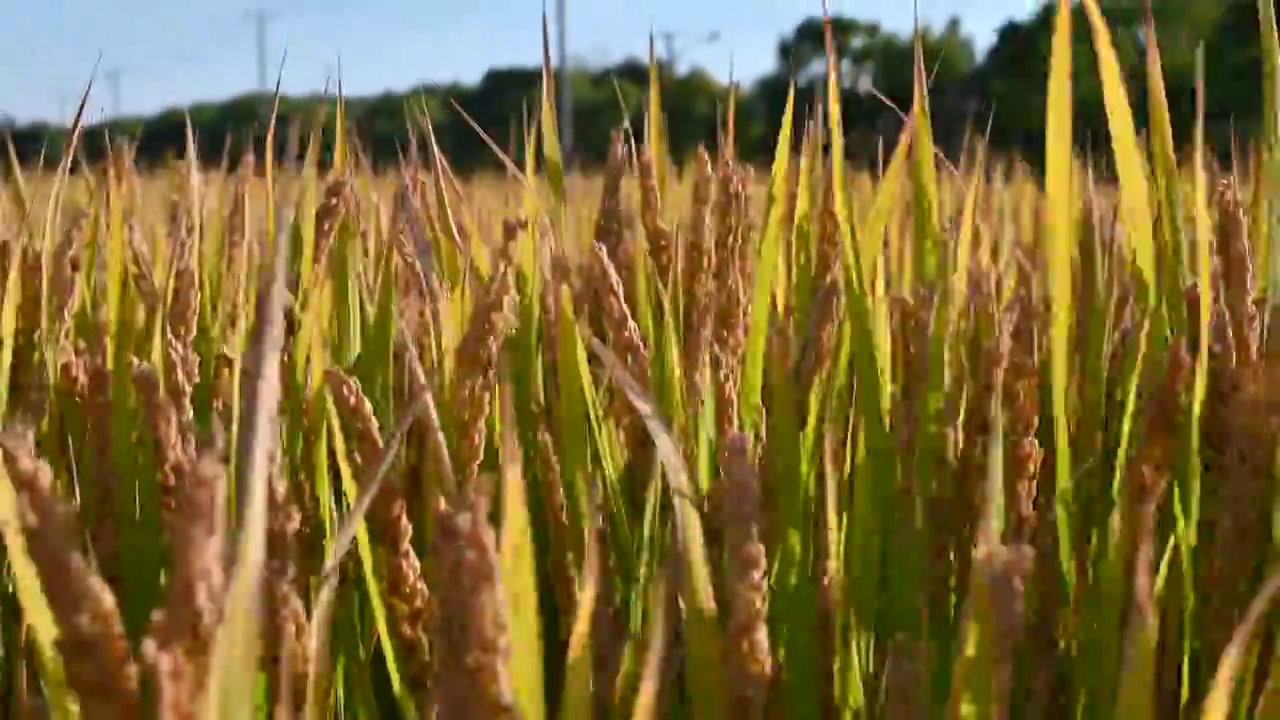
1011 79
875 68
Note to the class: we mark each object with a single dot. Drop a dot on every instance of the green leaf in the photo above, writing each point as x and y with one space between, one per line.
1135 201
655 130
924 179
974 674
1166 181
1059 222
1266 208
35 608
766 272
551 153
576 699
519 571
351 490
237 643
703 661
1217 706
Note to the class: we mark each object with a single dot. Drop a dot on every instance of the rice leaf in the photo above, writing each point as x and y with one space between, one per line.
552 156
924 177
705 676
973 688
576 697
1266 207
357 527
1165 181
519 571
1135 201
1217 706
1059 238
35 608
237 644
655 128
766 272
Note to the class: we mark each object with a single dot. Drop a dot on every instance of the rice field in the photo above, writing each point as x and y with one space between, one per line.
958 438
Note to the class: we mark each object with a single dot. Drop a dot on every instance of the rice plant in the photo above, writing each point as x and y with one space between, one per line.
953 439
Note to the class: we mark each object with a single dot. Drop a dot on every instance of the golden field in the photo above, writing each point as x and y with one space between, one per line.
959 438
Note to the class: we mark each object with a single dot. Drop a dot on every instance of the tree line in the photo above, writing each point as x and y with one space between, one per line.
1001 92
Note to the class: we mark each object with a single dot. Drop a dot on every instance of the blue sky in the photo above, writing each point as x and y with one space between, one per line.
179 53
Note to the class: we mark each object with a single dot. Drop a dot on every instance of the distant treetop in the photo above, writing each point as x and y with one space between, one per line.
1006 85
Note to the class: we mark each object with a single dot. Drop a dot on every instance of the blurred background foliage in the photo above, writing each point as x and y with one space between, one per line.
1005 87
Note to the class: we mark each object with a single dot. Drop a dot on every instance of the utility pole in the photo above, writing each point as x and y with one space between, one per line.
669 48
113 78
261 18
566 95
64 107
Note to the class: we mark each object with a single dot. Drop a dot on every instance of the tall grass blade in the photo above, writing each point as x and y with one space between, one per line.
703 665
1203 234
1166 181
649 688
929 256
766 273
655 127
519 569
576 697
552 156
1137 221
1059 239
35 608
1267 207
238 640
1217 706
1135 201
373 586
973 691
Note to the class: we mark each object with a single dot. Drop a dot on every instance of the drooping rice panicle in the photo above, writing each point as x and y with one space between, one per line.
1022 415
749 659
179 644
565 553
391 530
621 333
661 240
469 632
99 662
697 262
286 649
476 358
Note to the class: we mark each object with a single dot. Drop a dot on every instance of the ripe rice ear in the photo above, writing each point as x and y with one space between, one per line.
98 662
